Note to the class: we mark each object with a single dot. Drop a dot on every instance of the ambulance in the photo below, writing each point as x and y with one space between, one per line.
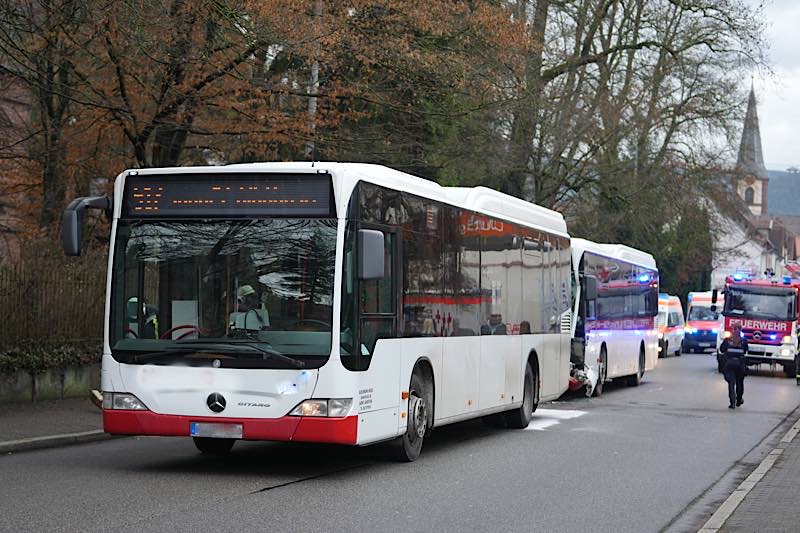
702 323
669 324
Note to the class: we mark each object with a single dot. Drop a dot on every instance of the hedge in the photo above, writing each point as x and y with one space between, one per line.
38 357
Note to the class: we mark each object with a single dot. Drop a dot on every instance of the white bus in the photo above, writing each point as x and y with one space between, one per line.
616 301
326 302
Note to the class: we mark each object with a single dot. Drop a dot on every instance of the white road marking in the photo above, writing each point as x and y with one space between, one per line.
545 418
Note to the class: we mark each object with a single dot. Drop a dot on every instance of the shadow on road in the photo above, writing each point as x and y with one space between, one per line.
298 461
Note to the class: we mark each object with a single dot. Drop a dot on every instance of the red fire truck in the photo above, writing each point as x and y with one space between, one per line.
767 309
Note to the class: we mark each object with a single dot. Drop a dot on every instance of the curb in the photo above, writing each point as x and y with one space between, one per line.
53 441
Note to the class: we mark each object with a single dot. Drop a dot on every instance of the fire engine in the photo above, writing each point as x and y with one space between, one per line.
767 310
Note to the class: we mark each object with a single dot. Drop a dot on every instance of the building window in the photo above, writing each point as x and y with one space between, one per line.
749 195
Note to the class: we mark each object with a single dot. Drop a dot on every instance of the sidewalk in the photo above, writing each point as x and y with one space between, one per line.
30 425
768 499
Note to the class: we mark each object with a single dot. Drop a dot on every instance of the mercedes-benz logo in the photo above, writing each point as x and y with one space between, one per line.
757 335
216 402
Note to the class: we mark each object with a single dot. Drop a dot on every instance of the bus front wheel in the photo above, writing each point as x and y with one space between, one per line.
211 446
408 447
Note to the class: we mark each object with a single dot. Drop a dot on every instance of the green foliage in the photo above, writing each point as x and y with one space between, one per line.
39 357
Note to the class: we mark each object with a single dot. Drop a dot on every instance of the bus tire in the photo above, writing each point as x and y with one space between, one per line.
636 379
211 446
407 447
602 372
521 417
790 370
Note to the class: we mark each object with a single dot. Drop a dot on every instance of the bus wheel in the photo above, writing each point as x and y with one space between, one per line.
408 447
211 446
790 370
520 418
636 379
602 372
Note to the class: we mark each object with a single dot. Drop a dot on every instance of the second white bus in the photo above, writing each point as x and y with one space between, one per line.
616 301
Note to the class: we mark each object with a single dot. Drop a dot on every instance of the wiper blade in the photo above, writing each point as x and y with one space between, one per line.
138 358
266 352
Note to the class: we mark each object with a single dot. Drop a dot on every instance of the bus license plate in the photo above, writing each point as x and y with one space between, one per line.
217 431
704 344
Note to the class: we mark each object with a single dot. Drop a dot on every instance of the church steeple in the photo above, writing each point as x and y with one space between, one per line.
752 178
751 158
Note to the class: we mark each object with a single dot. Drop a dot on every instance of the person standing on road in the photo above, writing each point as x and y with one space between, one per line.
734 349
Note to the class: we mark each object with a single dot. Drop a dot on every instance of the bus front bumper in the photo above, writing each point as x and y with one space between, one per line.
287 428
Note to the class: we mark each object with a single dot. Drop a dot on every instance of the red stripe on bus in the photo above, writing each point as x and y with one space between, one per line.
446 300
287 428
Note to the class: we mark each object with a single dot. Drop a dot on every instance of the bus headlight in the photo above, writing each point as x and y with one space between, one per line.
122 401
788 339
726 335
334 407
786 352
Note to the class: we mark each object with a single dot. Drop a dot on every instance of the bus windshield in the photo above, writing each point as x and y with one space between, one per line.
240 294
760 302
697 312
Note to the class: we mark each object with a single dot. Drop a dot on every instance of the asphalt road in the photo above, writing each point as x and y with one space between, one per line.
631 460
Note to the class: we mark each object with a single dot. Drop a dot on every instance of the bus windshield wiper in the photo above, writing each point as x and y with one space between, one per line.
254 346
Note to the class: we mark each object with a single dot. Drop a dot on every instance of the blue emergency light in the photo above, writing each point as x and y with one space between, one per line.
787 280
644 278
738 276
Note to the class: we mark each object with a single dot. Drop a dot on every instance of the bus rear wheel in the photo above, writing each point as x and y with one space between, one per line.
407 447
520 418
636 379
211 446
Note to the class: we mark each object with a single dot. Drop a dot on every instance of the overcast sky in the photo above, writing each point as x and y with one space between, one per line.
779 97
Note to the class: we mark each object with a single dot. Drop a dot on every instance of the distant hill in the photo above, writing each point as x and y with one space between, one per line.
783 196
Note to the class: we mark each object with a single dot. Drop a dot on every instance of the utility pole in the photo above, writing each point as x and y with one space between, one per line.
313 89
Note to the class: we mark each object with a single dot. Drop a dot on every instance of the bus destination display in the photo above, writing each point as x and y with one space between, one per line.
227 195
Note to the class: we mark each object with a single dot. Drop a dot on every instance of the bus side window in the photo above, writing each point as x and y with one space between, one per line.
377 302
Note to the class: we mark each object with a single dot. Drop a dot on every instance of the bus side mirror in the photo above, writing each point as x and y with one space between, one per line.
590 286
370 254
714 295
72 221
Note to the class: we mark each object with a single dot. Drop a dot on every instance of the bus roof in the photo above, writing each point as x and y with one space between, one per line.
613 251
480 199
